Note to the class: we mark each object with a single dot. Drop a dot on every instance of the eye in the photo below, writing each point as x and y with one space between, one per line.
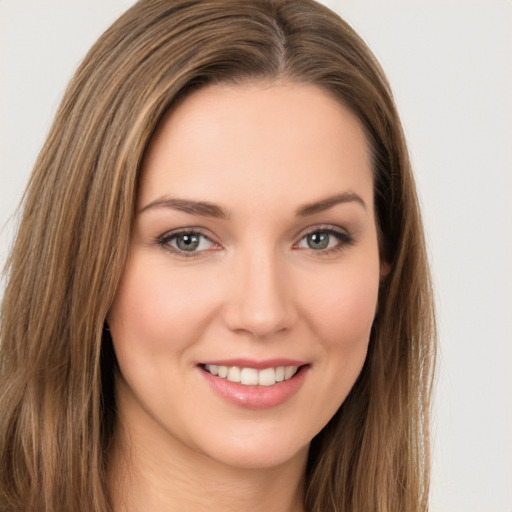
325 240
186 243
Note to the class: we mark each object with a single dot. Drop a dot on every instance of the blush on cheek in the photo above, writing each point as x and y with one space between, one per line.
346 312
167 309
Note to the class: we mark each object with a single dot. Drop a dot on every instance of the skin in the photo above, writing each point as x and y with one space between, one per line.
255 288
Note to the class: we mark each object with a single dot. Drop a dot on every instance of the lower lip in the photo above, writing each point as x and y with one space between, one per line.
256 397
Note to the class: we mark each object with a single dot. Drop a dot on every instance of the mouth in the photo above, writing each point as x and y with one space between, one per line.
248 376
253 384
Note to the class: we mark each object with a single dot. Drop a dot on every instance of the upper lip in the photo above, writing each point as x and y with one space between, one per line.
256 364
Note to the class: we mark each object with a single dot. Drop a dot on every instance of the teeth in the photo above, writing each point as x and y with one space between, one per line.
251 376
267 377
289 371
234 374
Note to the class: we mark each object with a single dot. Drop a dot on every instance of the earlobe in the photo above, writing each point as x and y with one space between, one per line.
385 269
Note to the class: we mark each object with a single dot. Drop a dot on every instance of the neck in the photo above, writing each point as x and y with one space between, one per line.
152 472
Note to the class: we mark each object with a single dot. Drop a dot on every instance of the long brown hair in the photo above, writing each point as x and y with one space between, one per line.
57 363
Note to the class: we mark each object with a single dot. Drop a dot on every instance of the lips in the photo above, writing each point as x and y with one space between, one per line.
255 385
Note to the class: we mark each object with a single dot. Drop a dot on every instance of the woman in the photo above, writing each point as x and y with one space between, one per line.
219 295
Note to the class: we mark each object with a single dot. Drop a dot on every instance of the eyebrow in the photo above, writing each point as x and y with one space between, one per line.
206 209
203 208
329 202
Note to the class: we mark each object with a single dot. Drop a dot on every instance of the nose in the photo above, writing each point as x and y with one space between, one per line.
260 301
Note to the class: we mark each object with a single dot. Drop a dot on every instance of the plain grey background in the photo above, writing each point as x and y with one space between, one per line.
450 66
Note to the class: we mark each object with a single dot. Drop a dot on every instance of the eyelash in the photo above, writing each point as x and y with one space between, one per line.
344 240
164 241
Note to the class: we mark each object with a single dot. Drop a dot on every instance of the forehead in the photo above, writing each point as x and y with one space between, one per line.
263 140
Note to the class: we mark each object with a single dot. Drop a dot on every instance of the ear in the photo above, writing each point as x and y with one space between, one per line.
385 269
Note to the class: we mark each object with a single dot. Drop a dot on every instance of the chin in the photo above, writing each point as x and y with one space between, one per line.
253 456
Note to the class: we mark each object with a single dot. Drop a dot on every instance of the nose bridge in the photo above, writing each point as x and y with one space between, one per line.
260 302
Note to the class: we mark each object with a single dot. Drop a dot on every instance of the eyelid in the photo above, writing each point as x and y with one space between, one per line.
345 237
163 241
333 228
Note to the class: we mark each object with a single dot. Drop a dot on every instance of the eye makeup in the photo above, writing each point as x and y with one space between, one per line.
193 241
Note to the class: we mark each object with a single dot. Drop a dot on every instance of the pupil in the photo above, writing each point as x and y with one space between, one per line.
318 240
188 242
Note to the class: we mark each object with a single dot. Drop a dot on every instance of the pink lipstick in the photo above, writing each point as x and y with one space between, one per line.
255 384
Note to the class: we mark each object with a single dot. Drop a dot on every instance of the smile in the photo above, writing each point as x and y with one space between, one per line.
255 384
252 376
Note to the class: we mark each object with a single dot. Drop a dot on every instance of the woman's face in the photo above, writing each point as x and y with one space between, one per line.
254 258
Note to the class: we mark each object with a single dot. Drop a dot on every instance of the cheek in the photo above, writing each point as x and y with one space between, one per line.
339 308
342 310
155 310
341 314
